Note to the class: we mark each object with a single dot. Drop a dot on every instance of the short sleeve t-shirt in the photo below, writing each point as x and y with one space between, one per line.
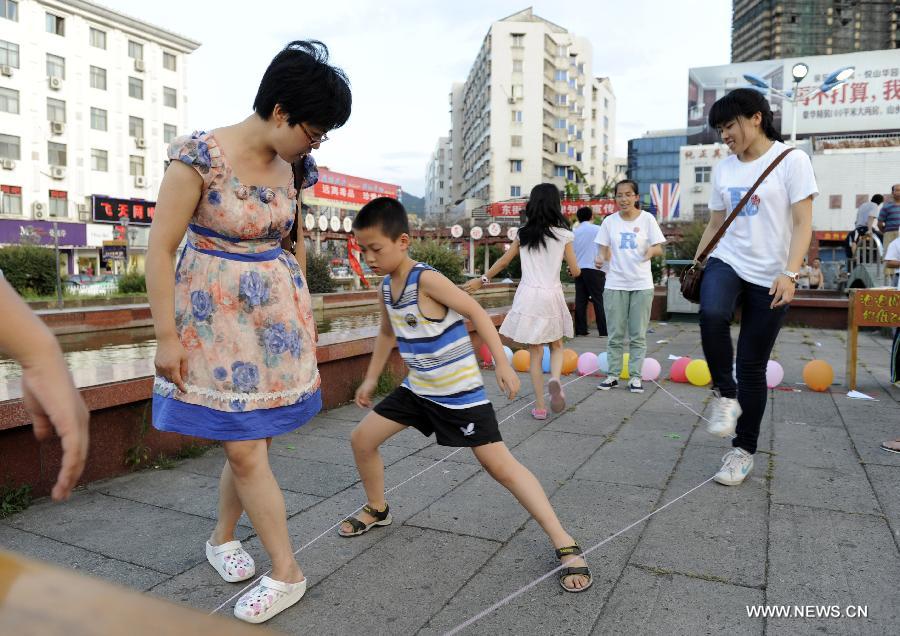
890 214
628 242
757 244
866 211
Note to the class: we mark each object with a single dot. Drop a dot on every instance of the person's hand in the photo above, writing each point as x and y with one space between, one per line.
363 397
171 362
598 262
53 403
507 379
782 291
472 285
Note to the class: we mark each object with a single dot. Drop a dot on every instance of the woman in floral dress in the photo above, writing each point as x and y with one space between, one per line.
236 359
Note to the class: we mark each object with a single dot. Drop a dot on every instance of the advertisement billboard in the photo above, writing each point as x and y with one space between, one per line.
868 103
507 209
349 189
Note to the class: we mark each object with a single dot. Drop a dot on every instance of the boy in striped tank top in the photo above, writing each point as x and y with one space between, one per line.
424 314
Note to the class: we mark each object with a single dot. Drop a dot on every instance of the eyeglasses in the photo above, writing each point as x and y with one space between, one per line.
314 140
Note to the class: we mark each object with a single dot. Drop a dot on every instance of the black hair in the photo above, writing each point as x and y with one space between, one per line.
584 214
877 198
307 87
298 219
634 187
744 102
543 212
386 214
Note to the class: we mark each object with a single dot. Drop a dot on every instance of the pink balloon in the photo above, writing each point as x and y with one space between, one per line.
774 374
650 370
588 363
677 373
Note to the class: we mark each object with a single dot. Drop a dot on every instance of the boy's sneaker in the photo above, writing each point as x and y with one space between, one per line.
609 383
635 385
736 465
723 416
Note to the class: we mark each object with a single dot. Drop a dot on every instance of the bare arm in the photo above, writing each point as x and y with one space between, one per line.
571 261
654 250
604 255
384 344
783 288
500 264
716 219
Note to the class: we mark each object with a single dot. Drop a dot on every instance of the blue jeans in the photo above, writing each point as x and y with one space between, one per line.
721 293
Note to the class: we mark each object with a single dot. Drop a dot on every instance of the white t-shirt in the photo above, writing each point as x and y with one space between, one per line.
628 242
865 212
756 245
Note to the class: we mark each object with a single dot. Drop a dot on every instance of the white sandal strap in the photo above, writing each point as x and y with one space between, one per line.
279 586
231 546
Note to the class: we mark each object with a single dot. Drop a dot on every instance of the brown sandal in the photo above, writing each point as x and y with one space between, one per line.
382 518
573 571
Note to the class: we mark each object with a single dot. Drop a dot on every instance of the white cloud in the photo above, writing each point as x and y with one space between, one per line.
402 57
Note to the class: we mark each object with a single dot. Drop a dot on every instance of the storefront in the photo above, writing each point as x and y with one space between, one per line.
120 233
69 236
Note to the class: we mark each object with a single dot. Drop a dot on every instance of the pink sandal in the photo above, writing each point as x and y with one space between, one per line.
557 395
539 414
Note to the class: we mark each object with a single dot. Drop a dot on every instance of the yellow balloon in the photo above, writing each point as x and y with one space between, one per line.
521 360
625 375
697 373
570 361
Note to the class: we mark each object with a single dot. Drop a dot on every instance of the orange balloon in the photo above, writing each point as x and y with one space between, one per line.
521 360
570 361
818 375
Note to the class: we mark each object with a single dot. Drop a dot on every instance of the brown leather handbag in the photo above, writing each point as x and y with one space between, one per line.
692 277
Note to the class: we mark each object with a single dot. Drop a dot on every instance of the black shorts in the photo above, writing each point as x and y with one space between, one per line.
474 426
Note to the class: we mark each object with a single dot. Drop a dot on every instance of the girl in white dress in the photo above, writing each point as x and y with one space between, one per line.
540 315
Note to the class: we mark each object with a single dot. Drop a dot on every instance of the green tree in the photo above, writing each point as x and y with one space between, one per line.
686 247
440 256
30 269
133 283
513 270
318 274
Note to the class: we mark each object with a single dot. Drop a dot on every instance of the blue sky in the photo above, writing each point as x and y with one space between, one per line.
402 56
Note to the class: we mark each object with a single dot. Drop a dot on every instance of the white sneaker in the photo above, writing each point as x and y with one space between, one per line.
723 417
736 465
610 382
268 599
635 385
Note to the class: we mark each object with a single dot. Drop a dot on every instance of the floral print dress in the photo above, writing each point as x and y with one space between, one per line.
242 310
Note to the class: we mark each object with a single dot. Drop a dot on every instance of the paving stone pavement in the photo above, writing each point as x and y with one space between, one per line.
816 525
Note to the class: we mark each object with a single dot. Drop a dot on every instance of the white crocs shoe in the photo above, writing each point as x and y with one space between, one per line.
231 561
268 599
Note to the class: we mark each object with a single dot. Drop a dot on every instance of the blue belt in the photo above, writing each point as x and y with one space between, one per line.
268 255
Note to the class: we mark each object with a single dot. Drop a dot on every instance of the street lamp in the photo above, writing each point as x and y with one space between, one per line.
799 72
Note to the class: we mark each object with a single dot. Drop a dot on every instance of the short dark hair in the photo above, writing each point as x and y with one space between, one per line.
308 88
744 102
877 198
584 214
386 214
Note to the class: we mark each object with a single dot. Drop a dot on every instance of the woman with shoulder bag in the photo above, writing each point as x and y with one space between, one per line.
754 265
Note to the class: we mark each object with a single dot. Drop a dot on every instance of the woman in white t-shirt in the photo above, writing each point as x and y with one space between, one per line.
628 240
753 266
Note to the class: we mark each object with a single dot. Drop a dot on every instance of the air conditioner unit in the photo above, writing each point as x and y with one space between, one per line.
83 208
84 216
7 164
140 142
140 181
139 65
6 70
57 127
38 209
698 188
55 83
58 172
511 100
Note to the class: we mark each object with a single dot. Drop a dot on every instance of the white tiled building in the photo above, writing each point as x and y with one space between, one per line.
531 111
437 179
88 101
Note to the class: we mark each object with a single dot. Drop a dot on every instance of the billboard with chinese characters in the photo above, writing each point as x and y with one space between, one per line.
868 102
345 188
109 210
601 207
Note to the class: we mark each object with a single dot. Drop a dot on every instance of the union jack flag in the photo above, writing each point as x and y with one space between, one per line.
665 197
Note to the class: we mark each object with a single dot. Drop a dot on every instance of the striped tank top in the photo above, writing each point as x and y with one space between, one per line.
439 353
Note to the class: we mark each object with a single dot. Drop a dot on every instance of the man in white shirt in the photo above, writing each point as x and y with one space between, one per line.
867 214
592 280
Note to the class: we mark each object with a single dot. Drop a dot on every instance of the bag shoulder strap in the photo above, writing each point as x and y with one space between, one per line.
740 206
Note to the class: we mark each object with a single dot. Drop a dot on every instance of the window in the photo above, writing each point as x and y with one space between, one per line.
135 88
560 171
561 76
835 201
562 50
11 200
518 40
9 100
561 123
518 91
135 127
56 153
9 10
515 141
605 122
136 166
56 24
98 118
56 66
571 151
169 61
135 50
169 132
99 160
605 102
702 174
98 38
10 147
56 109
59 203
517 116
606 140
170 97
561 147
98 78
9 53
562 100
515 191
517 66
578 157
515 165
